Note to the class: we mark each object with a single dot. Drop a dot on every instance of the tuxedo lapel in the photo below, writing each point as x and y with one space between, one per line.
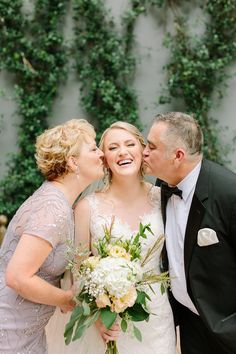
196 214
164 257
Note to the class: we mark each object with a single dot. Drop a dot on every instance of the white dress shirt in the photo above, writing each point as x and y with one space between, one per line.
176 220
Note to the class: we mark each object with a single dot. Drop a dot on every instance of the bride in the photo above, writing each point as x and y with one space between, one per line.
129 200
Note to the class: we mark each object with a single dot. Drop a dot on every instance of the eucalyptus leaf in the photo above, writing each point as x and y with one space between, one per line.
77 311
141 298
163 289
79 332
137 333
68 334
124 325
108 317
137 313
93 318
86 308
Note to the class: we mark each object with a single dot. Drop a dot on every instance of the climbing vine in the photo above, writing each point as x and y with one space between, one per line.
33 52
104 68
198 67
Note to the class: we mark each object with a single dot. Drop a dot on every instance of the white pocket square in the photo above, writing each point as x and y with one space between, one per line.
206 237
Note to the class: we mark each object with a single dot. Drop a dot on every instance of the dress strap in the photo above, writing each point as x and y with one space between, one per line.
154 195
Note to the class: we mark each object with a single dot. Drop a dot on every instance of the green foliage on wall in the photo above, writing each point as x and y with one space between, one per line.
33 52
32 49
197 67
104 68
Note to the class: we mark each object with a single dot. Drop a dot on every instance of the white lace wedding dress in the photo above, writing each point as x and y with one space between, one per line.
158 334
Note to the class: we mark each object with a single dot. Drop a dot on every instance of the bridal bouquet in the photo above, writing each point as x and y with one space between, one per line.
112 284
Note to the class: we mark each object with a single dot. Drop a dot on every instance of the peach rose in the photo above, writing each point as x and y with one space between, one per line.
128 300
103 301
118 252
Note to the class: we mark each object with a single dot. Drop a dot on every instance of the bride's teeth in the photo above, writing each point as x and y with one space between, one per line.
124 162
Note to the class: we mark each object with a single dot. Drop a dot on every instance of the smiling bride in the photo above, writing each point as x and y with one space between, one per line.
129 200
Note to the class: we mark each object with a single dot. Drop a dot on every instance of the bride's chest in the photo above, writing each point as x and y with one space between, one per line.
122 228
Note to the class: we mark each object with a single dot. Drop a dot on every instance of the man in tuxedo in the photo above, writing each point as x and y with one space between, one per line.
199 212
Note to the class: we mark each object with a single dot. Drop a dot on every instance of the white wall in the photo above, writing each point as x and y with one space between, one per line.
148 81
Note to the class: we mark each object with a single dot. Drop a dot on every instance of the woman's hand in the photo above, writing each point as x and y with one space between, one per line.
108 334
69 302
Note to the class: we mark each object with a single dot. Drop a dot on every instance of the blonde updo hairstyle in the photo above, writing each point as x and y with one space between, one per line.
132 130
55 145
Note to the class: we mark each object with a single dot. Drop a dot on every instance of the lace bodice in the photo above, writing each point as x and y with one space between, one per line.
101 215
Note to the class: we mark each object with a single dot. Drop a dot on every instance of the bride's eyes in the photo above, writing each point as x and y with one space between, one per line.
111 148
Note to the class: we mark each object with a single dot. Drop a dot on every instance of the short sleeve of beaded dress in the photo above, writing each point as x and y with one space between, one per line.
48 215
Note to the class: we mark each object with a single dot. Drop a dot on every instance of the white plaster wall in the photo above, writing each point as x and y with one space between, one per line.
148 81
8 120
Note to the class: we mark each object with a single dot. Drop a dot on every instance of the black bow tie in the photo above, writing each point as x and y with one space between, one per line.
168 191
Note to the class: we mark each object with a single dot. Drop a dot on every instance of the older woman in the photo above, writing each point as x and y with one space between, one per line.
32 256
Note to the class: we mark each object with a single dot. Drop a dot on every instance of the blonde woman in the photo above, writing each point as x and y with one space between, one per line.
129 200
32 256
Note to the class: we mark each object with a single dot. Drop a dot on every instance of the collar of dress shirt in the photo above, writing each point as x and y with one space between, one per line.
189 182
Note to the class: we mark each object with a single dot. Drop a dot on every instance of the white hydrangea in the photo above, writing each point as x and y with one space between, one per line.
114 275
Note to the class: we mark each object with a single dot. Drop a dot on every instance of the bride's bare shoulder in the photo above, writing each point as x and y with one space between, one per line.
82 207
89 201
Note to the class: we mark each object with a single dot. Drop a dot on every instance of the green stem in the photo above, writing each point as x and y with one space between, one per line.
111 348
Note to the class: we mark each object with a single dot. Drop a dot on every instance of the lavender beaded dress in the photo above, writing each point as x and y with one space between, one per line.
48 215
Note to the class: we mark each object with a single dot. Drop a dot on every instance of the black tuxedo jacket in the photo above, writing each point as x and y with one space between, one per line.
211 270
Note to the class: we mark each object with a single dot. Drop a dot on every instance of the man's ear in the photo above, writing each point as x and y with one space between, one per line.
179 155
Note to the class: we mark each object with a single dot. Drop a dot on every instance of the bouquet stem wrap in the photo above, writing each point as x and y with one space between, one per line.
111 348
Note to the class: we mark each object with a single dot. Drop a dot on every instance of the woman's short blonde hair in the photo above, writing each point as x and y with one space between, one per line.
132 130
55 145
